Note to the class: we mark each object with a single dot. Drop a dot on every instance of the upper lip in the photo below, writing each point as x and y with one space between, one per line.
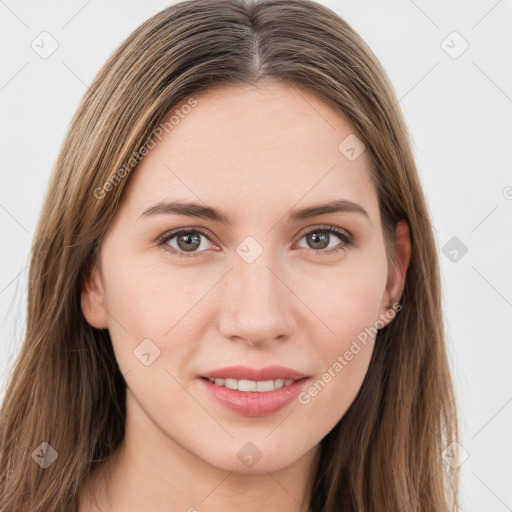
256 374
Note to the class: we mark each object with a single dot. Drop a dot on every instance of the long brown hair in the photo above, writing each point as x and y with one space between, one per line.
66 389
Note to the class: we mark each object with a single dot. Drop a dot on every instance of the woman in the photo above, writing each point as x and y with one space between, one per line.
234 297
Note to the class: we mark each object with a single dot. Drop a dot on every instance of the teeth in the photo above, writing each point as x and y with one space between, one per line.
252 385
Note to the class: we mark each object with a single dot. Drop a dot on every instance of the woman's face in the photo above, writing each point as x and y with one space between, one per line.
270 288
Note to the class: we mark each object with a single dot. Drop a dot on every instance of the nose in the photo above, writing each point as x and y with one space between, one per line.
256 304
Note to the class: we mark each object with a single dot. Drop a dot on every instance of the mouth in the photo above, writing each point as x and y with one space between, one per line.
254 392
247 373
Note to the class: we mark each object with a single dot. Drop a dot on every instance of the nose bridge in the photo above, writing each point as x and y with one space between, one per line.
254 280
255 300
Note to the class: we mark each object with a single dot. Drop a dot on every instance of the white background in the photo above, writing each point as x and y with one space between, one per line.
459 112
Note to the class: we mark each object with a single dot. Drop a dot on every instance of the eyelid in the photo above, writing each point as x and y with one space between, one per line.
327 227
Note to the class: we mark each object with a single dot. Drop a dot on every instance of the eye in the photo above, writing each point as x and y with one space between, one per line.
320 239
187 241
184 243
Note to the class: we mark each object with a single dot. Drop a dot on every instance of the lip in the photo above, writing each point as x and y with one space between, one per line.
254 403
247 403
248 373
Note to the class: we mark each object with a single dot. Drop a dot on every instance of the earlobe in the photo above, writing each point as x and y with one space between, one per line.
398 270
93 300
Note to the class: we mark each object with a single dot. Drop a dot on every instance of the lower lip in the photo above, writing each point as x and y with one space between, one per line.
255 403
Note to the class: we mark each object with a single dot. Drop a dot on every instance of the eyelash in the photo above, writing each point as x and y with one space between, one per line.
346 240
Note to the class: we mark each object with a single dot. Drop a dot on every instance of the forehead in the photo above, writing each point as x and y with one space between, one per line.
250 147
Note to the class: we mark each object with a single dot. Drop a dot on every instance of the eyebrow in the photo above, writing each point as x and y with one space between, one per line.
192 209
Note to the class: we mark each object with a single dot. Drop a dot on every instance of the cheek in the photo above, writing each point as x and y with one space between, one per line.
350 309
345 358
149 298
148 301
348 303
347 351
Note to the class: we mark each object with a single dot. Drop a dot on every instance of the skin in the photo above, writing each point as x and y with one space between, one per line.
256 154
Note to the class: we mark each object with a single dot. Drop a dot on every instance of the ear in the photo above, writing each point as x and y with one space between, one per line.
93 299
397 271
